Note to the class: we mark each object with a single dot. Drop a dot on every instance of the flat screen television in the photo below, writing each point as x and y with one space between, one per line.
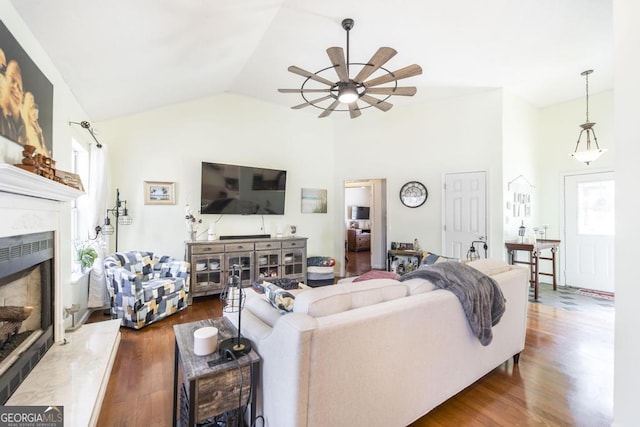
360 212
241 190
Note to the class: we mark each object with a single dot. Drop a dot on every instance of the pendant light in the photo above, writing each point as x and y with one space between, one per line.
590 154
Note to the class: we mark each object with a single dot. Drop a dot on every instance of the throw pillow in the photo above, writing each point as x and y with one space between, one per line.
279 298
429 258
376 274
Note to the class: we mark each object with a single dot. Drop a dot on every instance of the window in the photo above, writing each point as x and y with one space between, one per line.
596 208
79 207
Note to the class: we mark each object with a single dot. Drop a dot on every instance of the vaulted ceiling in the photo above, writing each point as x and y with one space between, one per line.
122 57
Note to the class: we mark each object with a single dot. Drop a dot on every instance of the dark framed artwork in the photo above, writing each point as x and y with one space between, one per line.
26 97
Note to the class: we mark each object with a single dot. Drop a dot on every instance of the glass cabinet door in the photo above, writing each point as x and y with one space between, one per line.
208 271
244 261
267 264
293 263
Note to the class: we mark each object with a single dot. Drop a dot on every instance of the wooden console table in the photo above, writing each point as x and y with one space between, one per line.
391 253
535 250
211 385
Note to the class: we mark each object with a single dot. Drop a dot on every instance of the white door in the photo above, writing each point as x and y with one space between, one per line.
465 215
589 231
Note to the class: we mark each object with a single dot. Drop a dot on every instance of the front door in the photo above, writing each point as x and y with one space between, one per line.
589 231
465 218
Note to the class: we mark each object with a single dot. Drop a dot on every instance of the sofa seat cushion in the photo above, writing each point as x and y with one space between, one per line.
325 301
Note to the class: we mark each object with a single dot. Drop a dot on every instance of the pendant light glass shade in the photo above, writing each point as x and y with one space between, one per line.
589 154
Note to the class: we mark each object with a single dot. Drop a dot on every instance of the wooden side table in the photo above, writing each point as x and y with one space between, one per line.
534 250
210 385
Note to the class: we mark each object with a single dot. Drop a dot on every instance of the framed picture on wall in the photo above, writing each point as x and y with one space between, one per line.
159 193
314 200
27 116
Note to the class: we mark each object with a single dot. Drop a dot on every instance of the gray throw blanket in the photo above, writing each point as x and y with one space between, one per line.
480 295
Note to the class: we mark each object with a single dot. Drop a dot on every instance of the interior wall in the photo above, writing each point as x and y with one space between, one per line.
422 142
169 144
65 109
626 113
520 167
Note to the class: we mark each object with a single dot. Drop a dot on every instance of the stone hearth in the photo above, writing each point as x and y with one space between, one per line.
75 371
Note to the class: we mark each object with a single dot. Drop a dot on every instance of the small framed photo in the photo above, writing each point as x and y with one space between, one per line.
159 193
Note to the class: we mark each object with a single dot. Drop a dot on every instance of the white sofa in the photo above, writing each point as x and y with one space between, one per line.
376 352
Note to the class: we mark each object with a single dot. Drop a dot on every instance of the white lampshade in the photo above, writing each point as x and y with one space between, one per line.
588 156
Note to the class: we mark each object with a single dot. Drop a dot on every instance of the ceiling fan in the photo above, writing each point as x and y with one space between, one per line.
349 90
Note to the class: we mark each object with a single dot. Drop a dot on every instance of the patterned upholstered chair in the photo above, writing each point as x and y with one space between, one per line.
144 288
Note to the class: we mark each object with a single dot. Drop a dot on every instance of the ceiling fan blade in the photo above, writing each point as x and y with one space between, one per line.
336 55
303 90
354 110
381 105
402 73
304 73
315 101
377 60
329 109
401 91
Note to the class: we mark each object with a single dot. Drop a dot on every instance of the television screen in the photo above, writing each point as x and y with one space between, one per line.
360 212
241 190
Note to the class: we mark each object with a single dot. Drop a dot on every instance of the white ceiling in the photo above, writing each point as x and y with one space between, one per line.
121 57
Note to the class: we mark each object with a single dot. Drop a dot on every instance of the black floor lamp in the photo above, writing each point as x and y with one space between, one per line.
120 213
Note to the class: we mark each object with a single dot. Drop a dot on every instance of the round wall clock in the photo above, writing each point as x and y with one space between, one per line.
413 194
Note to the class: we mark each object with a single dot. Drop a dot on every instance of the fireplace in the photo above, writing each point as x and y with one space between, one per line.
26 306
34 252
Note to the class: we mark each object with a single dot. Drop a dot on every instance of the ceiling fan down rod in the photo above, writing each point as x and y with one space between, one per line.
347 24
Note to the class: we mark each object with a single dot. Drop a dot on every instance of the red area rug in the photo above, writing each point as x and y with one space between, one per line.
597 294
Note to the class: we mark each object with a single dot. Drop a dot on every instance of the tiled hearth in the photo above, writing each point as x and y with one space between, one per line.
75 371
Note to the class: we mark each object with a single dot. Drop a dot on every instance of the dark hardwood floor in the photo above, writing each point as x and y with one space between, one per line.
357 263
564 378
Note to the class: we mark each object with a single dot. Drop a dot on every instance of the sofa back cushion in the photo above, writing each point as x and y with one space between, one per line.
319 302
490 266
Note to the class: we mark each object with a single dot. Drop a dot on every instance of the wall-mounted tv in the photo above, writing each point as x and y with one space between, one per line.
359 212
241 190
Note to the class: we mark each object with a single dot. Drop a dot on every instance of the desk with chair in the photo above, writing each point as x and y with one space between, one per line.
535 250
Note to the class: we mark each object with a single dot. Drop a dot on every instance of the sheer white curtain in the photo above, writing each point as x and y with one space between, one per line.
97 209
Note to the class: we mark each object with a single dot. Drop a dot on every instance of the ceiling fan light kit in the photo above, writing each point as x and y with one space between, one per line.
350 91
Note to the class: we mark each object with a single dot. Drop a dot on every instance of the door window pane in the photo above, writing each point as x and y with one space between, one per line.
596 208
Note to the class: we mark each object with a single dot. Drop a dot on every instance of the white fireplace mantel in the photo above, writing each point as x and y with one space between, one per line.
19 181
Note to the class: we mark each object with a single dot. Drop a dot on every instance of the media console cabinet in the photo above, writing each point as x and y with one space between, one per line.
212 262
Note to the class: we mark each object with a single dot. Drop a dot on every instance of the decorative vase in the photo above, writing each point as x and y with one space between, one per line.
193 235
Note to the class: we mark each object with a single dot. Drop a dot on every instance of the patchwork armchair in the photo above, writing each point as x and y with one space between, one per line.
144 288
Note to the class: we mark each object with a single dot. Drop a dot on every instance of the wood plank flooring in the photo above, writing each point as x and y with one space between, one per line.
564 378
